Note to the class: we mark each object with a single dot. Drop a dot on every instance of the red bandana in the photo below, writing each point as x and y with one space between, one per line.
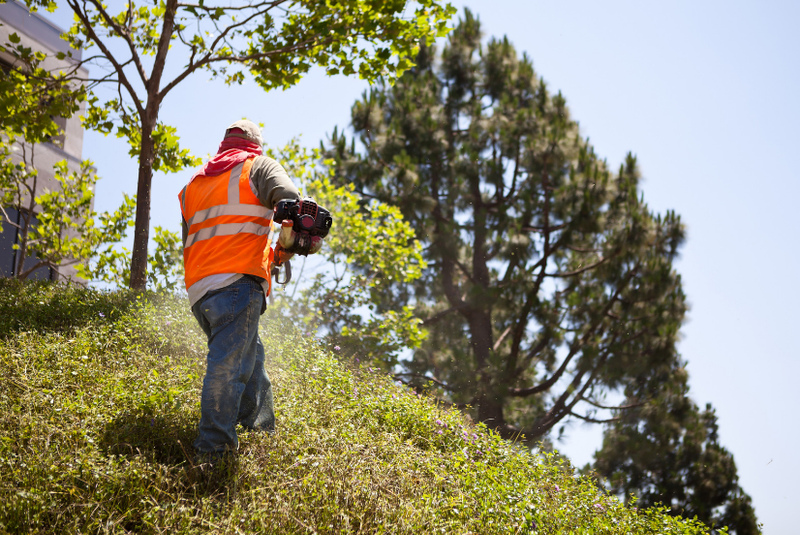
232 151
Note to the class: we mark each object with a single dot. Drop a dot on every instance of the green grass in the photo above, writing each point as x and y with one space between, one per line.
99 403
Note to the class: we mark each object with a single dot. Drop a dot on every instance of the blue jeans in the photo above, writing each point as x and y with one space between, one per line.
236 388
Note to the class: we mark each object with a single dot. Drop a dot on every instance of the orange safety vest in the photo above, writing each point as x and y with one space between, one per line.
229 228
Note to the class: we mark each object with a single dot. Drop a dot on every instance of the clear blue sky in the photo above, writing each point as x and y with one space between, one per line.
706 95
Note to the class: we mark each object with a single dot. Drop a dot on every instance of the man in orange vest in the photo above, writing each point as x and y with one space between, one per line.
227 210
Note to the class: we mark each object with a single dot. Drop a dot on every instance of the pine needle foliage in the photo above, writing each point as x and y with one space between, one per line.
668 452
98 411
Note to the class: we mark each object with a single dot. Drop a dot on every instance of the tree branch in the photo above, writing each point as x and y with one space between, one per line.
501 338
107 53
582 250
37 265
167 30
122 32
232 59
546 229
8 219
593 420
535 350
522 392
209 56
211 9
580 270
620 407
439 315
561 408
541 387
464 270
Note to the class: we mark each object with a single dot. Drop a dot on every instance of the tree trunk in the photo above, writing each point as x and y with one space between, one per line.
25 220
141 235
490 408
22 252
489 403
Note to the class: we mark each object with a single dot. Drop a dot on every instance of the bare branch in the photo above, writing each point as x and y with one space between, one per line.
209 57
8 219
546 229
593 420
513 188
125 34
37 265
464 270
521 392
535 350
501 338
561 408
580 270
439 315
93 35
582 250
619 407
161 54
211 9
541 387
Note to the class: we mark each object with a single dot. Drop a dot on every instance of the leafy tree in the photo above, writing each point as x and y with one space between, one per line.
370 248
31 95
277 42
68 232
668 451
549 283
65 233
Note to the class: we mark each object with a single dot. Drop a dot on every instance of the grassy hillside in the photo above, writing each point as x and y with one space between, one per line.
98 408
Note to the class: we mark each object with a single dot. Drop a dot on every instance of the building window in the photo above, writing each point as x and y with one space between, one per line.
8 255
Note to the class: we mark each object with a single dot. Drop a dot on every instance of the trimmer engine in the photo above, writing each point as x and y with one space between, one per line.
307 216
303 226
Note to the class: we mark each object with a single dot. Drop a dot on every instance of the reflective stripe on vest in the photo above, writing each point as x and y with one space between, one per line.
233 184
233 208
226 229
230 209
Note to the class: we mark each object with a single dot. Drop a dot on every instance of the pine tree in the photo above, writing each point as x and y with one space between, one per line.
549 281
667 451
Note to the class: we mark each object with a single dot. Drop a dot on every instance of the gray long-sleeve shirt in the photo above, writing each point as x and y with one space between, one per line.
270 182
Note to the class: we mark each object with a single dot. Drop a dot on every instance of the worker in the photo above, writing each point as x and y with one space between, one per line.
227 210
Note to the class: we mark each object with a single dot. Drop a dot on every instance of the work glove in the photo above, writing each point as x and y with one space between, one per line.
291 242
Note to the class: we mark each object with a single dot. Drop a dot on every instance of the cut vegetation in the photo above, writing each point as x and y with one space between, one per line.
98 409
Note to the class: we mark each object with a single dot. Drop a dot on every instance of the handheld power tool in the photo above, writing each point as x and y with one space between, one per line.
304 224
